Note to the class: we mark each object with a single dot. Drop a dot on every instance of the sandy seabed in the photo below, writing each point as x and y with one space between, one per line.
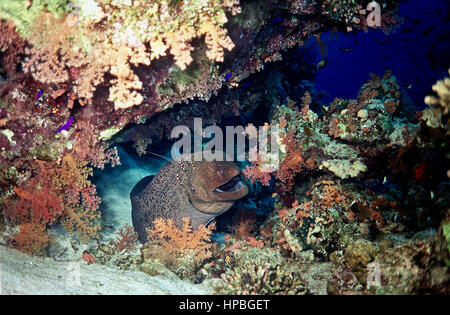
23 274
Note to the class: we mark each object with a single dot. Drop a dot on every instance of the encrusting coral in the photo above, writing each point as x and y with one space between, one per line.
254 270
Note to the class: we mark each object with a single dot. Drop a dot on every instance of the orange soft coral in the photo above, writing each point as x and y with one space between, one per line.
185 238
39 200
331 195
123 92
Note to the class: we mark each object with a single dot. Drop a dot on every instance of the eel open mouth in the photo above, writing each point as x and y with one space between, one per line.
233 185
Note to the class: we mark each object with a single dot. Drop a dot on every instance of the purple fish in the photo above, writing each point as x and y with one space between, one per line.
228 76
39 93
66 125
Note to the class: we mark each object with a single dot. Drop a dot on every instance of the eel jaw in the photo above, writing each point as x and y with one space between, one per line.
233 185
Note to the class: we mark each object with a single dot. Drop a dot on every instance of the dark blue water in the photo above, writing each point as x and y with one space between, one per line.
418 53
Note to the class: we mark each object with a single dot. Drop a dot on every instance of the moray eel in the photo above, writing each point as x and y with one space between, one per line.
196 190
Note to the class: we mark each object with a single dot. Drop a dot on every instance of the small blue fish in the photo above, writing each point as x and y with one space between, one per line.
39 93
276 20
228 76
66 125
246 84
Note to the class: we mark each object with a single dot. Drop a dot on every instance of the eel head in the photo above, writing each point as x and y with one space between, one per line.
215 186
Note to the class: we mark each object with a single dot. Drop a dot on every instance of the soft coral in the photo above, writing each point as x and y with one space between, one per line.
39 200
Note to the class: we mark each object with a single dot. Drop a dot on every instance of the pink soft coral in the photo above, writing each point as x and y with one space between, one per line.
258 172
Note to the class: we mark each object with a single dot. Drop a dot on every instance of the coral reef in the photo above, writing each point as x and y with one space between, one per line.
330 203
357 205
58 192
93 61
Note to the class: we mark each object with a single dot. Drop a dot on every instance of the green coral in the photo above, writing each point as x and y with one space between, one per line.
24 17
107 134
446 231
9 134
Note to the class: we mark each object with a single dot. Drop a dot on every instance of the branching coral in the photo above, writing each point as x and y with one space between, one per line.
45 66
88 147
257 172
244 224
73 50
216 39
126 239
185 239
81 212
183 250
81 219
122 92
54 52
293 161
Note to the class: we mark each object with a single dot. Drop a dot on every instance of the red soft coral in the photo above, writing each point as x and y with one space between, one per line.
39 201
126 240
293 162
58 192
39 204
